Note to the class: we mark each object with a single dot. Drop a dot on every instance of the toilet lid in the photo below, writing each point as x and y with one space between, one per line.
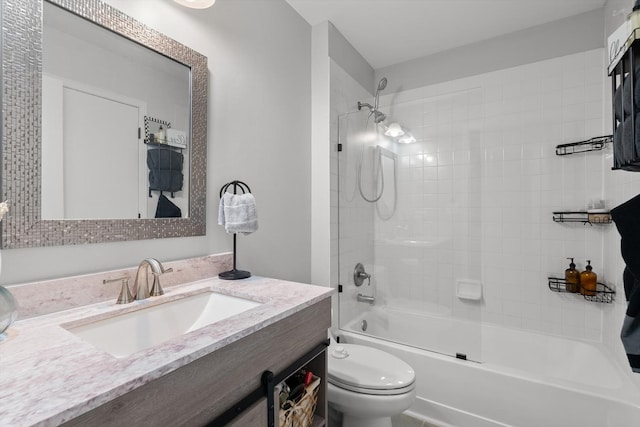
368 370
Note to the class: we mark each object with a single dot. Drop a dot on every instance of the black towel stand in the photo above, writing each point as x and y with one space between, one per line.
234 274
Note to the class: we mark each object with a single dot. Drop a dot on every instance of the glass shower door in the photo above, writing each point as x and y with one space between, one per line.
357 138
411 216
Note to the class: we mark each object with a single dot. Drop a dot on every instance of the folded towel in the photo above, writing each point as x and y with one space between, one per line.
238 214
165 159
626 217
165 180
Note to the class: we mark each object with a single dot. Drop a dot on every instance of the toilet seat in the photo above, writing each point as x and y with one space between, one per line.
368 370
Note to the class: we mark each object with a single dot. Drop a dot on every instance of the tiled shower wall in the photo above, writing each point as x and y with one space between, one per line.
434 237
477 191
483 180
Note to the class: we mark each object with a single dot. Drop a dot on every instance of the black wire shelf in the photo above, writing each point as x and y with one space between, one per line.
583 217
593 144
603 293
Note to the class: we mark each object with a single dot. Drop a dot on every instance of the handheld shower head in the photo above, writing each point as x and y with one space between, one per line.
382 84
378 116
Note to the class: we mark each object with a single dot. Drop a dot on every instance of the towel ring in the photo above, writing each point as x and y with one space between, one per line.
244 187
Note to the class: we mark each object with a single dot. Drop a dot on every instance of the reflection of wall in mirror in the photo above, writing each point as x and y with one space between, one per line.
134 72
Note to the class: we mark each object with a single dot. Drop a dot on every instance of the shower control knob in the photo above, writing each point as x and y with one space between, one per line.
359 275
340 352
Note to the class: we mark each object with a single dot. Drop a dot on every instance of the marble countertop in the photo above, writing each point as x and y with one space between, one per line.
49 375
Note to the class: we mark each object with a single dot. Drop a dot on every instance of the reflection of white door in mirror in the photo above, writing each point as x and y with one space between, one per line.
94 136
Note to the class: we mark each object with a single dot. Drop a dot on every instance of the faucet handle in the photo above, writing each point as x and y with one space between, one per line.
125 296
156 289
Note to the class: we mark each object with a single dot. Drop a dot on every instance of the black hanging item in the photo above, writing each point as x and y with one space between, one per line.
165 170
167 209
234 274
625 217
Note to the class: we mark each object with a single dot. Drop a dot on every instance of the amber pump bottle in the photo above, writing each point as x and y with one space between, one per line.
572 278
588 281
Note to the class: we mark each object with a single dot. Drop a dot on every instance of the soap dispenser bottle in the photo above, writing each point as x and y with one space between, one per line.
572 278
588 281
160 136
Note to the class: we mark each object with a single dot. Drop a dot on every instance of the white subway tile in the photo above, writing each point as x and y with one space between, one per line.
485 179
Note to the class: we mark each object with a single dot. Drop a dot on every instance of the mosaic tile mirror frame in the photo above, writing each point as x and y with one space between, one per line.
23 226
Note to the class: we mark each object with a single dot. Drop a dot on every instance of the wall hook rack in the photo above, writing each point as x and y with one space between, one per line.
234 273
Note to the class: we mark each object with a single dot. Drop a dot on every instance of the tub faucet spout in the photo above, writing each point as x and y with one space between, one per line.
366 298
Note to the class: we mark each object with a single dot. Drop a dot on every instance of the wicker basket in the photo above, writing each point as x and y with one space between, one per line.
301 411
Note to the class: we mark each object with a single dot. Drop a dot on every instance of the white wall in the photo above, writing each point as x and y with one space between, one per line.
349 59
320 149
563 37
259 132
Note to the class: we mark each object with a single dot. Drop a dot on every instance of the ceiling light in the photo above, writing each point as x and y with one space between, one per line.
407 138
196 4
394 130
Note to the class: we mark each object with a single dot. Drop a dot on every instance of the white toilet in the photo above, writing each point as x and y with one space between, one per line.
368 386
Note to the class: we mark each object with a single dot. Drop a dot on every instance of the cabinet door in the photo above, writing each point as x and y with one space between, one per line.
254 416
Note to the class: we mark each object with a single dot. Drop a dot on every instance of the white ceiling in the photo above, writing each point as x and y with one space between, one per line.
387 32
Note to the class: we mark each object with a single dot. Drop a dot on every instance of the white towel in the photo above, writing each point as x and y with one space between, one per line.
238 214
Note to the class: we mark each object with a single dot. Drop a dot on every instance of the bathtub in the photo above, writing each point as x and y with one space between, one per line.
514 378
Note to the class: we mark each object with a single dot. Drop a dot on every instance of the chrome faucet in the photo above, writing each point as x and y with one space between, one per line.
141 284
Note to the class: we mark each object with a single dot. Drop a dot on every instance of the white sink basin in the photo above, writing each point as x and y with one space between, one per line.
125 334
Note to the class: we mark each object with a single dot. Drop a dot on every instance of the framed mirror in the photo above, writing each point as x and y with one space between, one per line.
107 144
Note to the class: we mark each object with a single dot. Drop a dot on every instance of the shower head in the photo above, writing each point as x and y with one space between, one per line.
378 116
382 84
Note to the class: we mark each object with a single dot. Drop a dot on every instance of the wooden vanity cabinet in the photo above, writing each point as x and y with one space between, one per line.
202 390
